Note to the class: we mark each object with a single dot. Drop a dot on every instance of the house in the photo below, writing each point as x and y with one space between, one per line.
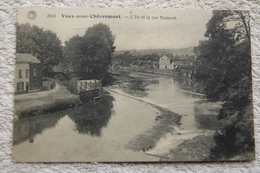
186 65
28 74
166 62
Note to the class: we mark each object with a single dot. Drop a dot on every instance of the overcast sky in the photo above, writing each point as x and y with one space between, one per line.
184 31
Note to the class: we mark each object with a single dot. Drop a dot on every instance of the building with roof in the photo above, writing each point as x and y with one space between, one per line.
166 62
28 73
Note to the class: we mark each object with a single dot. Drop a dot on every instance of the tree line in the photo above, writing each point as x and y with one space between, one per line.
225 73
84 55
45 45
128 58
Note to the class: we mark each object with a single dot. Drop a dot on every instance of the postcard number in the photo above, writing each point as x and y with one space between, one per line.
51 15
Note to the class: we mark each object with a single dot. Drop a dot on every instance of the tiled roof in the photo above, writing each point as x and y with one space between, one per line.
26 58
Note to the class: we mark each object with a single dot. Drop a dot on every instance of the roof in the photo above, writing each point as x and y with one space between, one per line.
25 58
168 55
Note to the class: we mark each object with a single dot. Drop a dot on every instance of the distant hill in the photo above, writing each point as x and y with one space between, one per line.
181 51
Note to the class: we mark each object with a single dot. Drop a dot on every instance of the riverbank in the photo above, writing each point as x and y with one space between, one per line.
42 102
152 71
187 83
132 85
164 138
169 139
193 144
195 149
165 122
61 97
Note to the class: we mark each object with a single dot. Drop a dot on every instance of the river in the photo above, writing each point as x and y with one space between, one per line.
100 131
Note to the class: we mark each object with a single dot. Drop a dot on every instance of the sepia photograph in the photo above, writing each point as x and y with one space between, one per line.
132 85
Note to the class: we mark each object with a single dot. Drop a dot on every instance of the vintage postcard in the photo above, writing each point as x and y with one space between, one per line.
132 85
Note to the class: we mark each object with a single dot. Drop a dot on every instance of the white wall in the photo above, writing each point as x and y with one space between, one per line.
23 67
165 63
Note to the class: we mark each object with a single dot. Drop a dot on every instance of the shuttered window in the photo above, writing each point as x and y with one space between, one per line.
20 86
27 73
20 74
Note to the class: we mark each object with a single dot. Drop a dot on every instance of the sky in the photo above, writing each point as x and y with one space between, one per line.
177 29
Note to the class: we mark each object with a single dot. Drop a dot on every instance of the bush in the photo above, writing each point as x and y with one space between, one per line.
52 106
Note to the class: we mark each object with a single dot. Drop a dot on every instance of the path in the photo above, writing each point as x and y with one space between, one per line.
37 94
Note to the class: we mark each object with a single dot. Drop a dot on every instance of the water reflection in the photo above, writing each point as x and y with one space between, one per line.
28 128
179 95
187 86
94 134
90 118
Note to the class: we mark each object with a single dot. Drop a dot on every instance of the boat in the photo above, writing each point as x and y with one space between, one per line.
89 90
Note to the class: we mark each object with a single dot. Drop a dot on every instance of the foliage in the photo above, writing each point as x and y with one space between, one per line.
124 59
225 56
149 138
43 44
58 100
225 71
128 58
72 52
90 53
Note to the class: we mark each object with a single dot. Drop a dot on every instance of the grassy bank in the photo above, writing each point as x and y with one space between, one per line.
165 123
44 102
206 113
196 149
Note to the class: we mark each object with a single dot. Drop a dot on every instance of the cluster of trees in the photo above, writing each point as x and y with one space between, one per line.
128 58
123 59
90 53
43 44
225 72
153 56
87 54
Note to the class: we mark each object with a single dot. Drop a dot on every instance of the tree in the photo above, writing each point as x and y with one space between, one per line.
43 44
225 56
72 53
124 59
97 47
90 55
225 72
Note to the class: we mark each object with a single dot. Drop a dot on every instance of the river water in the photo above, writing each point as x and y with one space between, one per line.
100 131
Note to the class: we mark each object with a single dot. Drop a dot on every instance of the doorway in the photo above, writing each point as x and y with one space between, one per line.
27 87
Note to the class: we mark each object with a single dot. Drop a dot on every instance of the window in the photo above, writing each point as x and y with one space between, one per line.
20 74
20 86
34 72
27 73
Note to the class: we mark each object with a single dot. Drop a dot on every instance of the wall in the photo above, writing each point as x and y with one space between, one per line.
23 67
35 79
165 63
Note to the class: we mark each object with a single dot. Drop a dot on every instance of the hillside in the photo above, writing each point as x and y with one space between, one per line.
180 51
